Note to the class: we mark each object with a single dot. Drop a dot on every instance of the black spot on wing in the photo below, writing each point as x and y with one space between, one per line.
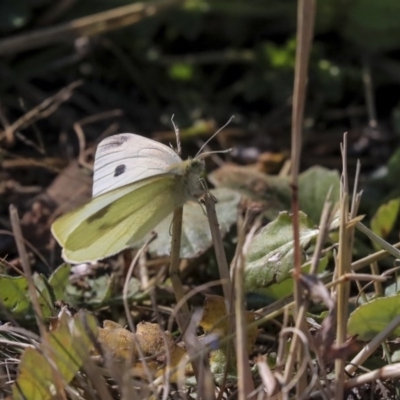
100 214
115 141
120 170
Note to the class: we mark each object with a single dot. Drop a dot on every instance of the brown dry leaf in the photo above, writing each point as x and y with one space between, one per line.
120 343
152 341
117 341
51 203
214 319
215 322
270 163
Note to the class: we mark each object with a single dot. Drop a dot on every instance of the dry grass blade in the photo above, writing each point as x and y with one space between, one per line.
305 29
183 315
245 380
346 235
129 316
16 227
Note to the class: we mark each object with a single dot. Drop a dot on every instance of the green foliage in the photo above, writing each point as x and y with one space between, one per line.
274 191
15 299
284 288
371 318
385 218
270 255
207 58
59 280
314 186
67 348
13 293
181 72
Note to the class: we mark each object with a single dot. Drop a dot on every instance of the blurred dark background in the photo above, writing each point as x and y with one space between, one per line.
201 61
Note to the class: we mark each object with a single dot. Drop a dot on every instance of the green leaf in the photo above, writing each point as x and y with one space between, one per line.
44 294
134 292
270 256
69 346
196 234
59 281
393 167
371 318
94 292
314 185
384 219
14 295
285 288
33 383
181 72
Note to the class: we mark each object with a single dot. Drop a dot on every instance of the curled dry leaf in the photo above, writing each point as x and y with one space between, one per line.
215 320
158 346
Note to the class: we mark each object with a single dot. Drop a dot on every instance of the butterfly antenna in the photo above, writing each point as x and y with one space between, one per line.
178 136
204 155
215 134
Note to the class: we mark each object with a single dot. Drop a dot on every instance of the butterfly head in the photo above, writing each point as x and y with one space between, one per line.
194 170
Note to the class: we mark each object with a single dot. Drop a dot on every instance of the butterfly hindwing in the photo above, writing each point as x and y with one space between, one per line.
67 223
123 221
126 158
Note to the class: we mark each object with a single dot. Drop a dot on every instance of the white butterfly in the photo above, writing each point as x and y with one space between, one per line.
137 183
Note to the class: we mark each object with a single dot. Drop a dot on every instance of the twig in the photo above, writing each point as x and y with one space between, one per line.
218 247
16 228
183 315
128 313
43 110
386 372
81 136
91 25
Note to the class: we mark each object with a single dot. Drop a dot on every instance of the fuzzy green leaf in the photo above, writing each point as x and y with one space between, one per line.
270 256
371 318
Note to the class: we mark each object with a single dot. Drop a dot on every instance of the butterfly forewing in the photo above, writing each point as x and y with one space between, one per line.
126 158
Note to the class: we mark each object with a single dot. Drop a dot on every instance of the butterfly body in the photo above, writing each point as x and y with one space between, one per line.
137 183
